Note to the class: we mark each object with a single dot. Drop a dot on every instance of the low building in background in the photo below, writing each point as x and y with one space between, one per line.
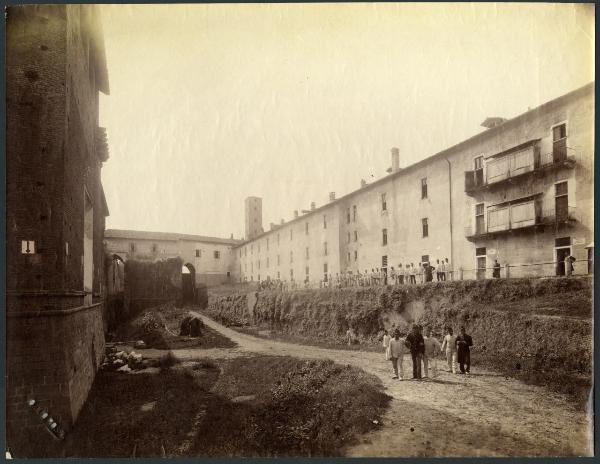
207 259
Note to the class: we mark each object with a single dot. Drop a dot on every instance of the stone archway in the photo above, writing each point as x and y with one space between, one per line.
188 283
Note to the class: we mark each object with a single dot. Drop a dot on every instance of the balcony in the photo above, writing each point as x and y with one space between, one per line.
520 217
519 161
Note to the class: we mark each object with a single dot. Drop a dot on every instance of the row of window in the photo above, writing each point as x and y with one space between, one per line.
133 248
384 233
351 214
307 273
384 197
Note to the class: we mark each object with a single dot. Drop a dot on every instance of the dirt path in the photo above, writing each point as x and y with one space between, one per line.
484 414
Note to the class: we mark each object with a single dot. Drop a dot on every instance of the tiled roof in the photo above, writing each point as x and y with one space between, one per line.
145 235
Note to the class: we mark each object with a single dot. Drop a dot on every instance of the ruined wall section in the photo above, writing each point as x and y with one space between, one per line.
149 284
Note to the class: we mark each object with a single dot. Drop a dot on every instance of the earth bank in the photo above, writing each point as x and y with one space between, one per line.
539 330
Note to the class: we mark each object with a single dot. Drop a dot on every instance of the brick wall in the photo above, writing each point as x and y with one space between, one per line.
55 342
35 72
52 359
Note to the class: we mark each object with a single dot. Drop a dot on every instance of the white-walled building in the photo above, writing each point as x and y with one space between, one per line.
520 192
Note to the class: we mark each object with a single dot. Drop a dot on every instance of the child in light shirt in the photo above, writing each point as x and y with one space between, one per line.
397 350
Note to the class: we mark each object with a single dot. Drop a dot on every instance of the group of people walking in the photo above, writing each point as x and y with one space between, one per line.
424 350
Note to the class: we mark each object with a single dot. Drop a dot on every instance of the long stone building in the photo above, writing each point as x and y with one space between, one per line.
520 192
55 217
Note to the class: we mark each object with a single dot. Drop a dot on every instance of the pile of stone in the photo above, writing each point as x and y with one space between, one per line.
122 361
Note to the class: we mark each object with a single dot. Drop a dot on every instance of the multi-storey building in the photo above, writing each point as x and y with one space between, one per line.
520 192
55 215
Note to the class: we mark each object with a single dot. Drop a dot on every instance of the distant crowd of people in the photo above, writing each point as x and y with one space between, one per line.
400 275
408 274
425 349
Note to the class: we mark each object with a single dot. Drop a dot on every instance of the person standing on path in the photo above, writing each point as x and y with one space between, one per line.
464 343
416 344
449 346
432 349
350 336
396 349
386 344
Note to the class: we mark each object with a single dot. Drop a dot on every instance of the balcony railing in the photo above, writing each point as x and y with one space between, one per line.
518 163
520 216
567 216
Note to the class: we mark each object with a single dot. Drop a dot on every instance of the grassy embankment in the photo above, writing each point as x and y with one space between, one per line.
538 330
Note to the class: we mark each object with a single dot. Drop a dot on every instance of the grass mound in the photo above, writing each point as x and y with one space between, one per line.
301 408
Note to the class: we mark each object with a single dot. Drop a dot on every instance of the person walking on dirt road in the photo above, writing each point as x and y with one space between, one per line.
396 349
386 344
463 343
416 344
449 346
432 348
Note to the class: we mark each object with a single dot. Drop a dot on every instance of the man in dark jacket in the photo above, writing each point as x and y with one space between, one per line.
428 269
463 344
416 344
496 273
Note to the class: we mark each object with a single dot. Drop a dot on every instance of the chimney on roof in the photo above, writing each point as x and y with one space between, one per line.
313 206
395 159
331 196
491 122
363 183
295 213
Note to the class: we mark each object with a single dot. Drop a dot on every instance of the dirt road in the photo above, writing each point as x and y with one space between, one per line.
484 414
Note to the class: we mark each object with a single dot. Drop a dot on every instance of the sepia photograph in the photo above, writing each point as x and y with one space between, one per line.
273 230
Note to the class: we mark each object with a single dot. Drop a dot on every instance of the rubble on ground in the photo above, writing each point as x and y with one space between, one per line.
122 361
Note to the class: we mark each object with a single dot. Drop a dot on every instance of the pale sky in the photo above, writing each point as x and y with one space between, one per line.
210 104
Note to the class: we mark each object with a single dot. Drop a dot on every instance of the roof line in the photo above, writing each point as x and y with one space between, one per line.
172 236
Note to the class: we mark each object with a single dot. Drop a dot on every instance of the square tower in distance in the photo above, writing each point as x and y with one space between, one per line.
253 207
